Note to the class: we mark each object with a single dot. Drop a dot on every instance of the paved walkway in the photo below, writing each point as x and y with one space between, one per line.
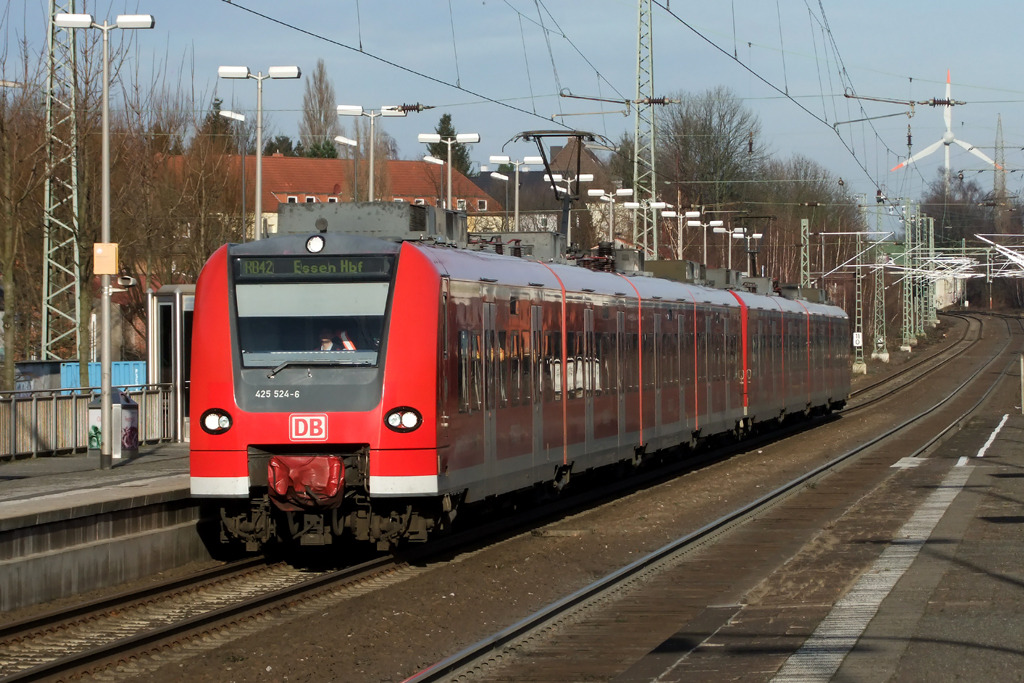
41 485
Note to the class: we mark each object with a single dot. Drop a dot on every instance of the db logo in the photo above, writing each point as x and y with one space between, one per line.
307 427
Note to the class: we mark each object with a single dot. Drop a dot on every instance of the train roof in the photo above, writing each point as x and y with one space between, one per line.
519 272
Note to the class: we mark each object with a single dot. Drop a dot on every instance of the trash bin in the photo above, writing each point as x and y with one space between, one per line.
124 418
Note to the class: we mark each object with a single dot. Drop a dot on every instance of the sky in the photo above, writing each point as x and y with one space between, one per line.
491 65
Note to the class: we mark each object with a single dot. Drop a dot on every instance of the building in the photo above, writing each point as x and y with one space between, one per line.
298 180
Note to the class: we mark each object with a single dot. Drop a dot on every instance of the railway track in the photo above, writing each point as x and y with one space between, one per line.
919 362
899 380
104 633
489 655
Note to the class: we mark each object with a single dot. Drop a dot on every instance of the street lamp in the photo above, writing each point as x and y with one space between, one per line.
230 115
503 159
272 72
609 198
748 234
646 204
503 177
715 225
434 138
567 196
123 21
342 140
392 110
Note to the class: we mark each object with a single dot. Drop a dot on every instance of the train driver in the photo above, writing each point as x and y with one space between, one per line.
328 342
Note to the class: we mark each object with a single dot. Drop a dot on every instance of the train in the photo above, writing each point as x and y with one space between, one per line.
351 387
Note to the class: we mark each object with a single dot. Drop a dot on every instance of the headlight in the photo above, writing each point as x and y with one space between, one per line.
403 419
315 244
215 421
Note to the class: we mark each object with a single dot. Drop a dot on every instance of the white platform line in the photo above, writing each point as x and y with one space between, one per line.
820 656
962 461
991 438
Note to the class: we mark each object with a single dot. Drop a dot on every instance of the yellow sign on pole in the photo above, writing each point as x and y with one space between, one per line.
104 258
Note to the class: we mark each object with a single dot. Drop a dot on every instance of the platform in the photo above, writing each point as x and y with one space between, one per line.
67 527
925 582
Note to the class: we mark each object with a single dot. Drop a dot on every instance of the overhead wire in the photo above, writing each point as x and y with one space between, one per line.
382 60
563 35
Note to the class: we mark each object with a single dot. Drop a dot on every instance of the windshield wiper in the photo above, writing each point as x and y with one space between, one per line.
285 364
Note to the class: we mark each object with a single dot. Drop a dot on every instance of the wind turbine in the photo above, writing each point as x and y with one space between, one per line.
947 138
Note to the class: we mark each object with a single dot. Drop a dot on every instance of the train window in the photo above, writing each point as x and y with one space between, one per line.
465 371
490 398
527 369
552 367
575 364
476 375
515 363
283 322
632 361
649 362
502 362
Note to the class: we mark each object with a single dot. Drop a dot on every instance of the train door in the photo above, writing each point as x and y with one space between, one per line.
669 361
170 347
658 363
490 381
684 325
591 376
447 342
553 380
620 367
704 380
536 325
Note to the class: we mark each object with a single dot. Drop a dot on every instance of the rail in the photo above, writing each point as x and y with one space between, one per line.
47 422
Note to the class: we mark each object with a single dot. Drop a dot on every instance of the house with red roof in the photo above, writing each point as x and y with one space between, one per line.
302 180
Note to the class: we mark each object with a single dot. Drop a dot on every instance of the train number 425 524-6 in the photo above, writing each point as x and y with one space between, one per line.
276 393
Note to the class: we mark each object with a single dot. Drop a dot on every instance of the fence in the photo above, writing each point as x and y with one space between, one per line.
55 421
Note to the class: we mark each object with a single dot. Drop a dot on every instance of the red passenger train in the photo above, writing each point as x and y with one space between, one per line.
345 385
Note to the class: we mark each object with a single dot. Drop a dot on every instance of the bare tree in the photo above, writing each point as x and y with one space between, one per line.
707 144
22 171
319 122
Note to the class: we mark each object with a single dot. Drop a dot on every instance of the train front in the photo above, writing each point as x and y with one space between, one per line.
288 414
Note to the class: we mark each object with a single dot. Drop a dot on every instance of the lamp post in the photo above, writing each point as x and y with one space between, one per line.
342 140
437 162
272 72
646 204
240 118
722 230
392 110
123 21
704 226
502 176
567 196
463 138
520 165
609 198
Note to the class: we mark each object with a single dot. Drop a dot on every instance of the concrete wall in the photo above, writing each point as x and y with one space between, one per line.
68 552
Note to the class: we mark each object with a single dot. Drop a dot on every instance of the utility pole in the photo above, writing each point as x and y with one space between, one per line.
805 255
645 181
933 314
859 366
61 301
919 278
909 340
881 350
988 276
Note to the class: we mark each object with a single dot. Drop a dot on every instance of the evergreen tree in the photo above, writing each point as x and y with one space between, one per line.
460 152
281 144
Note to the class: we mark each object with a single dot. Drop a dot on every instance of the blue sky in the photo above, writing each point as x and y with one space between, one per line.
890 49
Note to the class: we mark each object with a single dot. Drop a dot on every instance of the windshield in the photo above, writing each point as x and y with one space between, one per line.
296 322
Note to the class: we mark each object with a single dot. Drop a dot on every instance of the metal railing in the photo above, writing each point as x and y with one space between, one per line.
55 421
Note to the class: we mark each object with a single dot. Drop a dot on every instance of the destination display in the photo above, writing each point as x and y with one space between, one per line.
313 267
